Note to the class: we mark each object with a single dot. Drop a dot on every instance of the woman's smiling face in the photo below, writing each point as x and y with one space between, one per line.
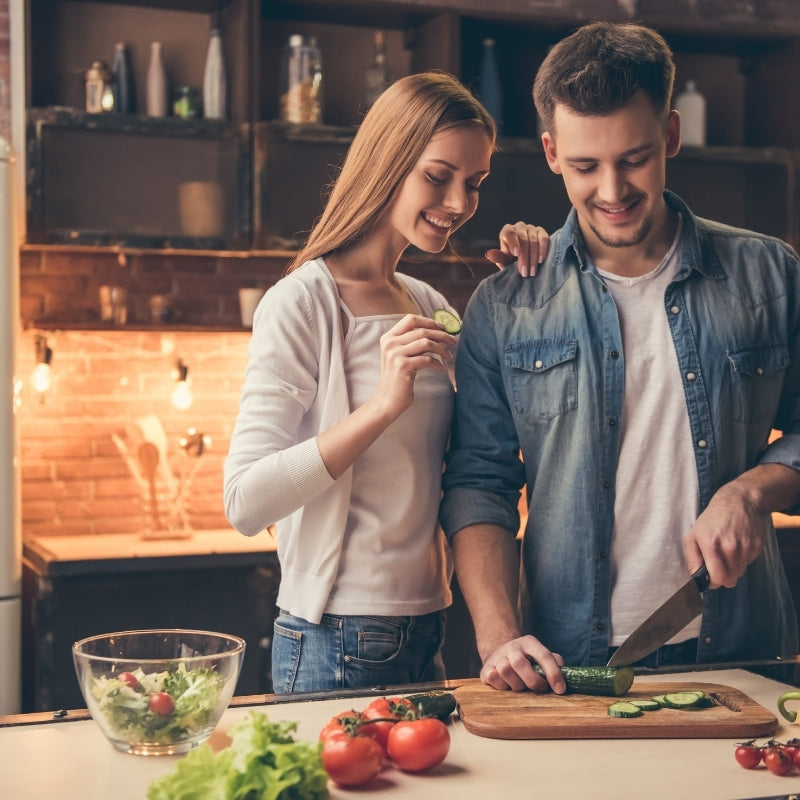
441 192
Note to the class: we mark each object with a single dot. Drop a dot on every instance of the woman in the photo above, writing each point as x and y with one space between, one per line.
347 402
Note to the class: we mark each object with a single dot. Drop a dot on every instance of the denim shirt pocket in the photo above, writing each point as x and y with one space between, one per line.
757 372
543 377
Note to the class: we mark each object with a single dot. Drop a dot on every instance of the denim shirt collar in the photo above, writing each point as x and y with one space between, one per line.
697 252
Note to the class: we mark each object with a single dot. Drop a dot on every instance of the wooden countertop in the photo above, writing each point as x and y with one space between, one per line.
73 761
98 554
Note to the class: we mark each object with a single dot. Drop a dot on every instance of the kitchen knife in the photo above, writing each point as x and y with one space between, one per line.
673 615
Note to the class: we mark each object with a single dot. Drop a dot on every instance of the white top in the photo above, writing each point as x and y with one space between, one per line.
656 463
394 560
295 387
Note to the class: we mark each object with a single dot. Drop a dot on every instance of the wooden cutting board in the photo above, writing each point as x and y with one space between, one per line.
528 715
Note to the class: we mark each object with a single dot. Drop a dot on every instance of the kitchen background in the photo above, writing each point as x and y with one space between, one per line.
100 211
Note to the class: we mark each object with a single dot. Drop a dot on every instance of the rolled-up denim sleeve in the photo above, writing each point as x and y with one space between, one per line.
483 473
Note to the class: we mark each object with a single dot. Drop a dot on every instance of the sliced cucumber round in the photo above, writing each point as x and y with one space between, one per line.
683 699
622 708
647 705
448 320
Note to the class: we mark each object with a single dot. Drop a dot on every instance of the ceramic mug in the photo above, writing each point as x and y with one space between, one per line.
248 300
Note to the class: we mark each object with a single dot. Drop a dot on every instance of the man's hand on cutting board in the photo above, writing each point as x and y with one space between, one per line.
511 666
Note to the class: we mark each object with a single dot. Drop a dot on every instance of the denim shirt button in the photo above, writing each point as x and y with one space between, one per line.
538 364
702 444
614 354
706 640
760 371
348 659
599 626
606 485
674 310
691 376
611 422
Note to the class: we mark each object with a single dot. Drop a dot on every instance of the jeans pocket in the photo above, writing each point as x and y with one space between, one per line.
378 641
286 647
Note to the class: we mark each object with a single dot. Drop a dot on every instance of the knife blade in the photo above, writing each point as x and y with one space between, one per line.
669 618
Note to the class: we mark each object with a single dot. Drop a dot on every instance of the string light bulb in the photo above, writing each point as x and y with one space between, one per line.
41 378
182 397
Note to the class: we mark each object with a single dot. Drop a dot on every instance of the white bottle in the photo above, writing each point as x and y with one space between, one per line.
691 105
377 75
156 83
215 83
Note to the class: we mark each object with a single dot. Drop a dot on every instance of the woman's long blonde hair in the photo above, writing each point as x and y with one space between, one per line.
387 145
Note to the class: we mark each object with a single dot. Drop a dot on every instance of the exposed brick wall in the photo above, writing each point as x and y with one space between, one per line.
74 478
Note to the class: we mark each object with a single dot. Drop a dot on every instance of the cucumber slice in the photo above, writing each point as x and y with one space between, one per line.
622 708
659 698
449 321
647 705
683 699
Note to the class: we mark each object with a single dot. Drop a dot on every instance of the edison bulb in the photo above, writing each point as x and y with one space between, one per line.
41 377
182 397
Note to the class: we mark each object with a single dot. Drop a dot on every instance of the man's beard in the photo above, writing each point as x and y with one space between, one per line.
637 237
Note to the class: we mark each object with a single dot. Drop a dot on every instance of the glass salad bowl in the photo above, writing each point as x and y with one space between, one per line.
158 692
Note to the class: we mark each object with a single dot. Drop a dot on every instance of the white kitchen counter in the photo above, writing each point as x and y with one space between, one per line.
73 761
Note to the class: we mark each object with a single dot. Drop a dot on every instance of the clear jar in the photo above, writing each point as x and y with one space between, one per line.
301 81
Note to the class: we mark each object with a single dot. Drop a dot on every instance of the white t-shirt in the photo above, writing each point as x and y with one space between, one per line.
656 462
394 558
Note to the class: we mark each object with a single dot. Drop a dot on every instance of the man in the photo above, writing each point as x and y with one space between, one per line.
638 376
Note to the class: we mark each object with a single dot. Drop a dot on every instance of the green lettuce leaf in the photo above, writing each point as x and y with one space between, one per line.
263 762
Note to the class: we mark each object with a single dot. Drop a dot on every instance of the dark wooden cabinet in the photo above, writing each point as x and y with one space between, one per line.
110 586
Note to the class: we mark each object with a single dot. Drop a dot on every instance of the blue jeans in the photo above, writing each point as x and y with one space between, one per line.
356 652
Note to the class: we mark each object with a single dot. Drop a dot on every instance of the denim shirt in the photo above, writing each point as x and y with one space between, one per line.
540 373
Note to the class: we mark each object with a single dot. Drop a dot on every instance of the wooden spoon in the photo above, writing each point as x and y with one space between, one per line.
148 458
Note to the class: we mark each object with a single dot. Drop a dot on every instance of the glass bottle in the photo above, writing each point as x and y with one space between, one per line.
377 75
301 99
489 91
691 105
123 83
215 83
156 83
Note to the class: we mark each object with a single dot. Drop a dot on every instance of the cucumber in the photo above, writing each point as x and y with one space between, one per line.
659 698
434 704
624 709
689 700
449 321
647 705
605 681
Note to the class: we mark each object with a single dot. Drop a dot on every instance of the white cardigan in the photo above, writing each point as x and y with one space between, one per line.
294 389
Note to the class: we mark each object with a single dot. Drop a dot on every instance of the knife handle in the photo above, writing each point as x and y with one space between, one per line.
702 578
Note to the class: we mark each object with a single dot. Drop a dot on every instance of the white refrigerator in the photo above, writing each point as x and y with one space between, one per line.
10 526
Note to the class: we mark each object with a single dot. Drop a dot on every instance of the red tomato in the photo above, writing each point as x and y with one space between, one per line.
384 709
161 703
748 755
343 722
777 761
351 760
129 679
418 744
796 758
